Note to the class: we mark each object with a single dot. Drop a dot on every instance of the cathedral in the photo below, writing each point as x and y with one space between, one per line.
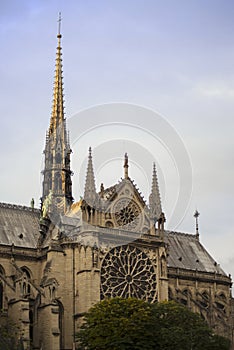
57 261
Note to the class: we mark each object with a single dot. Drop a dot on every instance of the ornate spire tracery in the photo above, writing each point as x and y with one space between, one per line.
57 115
90 193
57 173
154 198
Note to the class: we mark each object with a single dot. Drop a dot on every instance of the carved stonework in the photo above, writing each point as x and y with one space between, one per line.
128 272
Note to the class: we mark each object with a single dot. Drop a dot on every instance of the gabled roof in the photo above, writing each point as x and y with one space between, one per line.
110 193
19 225
186 252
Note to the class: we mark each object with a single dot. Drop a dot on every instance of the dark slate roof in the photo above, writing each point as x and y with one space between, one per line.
19 225
186 252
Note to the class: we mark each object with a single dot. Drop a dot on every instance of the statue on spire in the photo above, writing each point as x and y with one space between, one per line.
126 166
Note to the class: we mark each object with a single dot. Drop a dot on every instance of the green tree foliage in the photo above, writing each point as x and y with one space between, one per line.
131 324
178 328
7 336
117 324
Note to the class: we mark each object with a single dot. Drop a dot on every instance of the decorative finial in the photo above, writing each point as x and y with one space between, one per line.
102 190
196 215
126 166
32 203
90 152
59 26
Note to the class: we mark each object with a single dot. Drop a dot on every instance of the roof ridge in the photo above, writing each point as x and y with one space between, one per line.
18 206
180 233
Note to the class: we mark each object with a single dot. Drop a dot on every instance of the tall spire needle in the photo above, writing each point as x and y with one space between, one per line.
59 24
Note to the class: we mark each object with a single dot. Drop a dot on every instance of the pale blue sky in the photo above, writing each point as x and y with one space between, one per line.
175 57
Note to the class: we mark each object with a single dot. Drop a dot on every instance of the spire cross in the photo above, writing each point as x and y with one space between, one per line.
59 24
196 215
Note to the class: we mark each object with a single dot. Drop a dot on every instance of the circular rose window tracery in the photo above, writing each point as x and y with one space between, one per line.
127 213
127 272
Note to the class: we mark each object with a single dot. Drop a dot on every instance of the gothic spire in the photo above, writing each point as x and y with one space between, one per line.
90 188
57 115
57 174
154 198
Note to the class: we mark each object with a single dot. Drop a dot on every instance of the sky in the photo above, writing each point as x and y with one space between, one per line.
151 78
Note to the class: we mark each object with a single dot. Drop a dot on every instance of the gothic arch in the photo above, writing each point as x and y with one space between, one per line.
58 157
25 285
61 322
109 224
58 181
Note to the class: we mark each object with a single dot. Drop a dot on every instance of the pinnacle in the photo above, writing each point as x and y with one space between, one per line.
90 188
154 198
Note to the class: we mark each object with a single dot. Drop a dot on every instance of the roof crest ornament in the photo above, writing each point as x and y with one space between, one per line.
196 215
126 166
59 25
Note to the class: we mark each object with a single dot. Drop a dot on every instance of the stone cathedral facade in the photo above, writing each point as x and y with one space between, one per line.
56 262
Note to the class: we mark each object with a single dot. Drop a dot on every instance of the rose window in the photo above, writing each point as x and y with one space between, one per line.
127 213
127 272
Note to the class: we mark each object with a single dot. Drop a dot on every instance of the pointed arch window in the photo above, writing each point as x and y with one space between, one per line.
58 158
58 181
49 181
26 288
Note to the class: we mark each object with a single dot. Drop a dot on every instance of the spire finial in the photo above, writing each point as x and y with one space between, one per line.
59 25
58 101
196 215
126 166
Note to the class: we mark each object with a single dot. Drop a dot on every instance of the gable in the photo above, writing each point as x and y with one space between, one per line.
125 207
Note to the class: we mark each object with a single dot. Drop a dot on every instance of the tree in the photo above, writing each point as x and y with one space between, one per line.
178 328
117 324
7 335
132 324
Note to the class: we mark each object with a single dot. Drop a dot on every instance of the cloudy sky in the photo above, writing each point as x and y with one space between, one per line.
135 60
